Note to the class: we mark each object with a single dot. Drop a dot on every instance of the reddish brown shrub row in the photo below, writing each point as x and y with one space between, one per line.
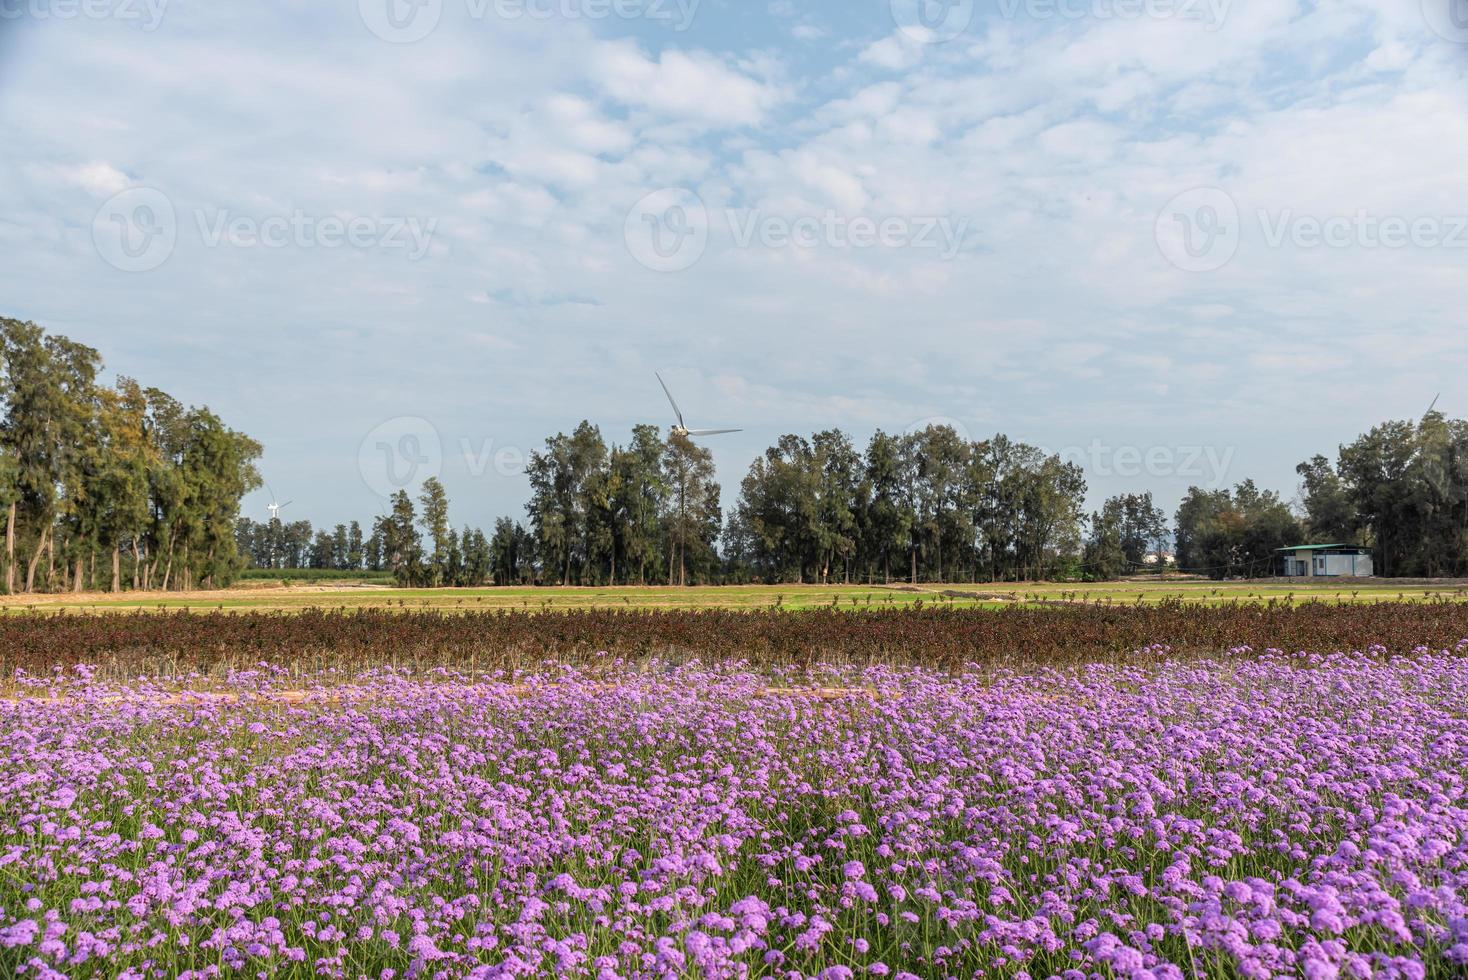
180 642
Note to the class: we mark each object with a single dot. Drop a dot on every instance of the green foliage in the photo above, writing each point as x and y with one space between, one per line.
1233 533
1123 533
1401 488
948 510
125 474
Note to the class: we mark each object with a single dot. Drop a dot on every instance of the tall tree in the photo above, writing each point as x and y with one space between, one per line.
694 519
559 481
435 521
401 545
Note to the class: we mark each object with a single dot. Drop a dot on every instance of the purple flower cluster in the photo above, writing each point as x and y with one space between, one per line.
1251 815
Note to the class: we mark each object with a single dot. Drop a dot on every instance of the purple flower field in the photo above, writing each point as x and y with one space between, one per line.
1246 815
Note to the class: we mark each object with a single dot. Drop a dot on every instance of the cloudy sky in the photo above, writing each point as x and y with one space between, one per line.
1182 241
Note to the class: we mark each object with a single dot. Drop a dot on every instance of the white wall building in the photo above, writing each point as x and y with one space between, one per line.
1327 561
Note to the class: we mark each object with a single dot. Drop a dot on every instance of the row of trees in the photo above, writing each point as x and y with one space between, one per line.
1234 533
419 548
122 486
931 506
110 487
1401 489
276 544
924 506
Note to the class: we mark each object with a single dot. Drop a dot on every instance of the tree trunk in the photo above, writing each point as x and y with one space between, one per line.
153 565
30 572
76 582
167 569
116 567
10 551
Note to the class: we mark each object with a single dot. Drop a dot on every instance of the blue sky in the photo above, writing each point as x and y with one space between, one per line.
1180 241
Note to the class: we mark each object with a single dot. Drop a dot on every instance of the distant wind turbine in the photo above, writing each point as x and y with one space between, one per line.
682 430
274 507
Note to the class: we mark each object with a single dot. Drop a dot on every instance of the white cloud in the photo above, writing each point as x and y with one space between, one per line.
895 52
687 85
1058 143
95 177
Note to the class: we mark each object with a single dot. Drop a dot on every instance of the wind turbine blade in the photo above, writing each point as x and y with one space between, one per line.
1434 403
273 497
286 504
676 410
711 432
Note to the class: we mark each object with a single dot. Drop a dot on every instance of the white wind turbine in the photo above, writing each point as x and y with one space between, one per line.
274 506
680 429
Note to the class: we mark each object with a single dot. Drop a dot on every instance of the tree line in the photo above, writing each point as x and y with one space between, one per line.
647 512
122 486
922 506
110 487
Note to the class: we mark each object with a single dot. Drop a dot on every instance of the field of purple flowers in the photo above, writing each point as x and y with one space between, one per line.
1244 815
